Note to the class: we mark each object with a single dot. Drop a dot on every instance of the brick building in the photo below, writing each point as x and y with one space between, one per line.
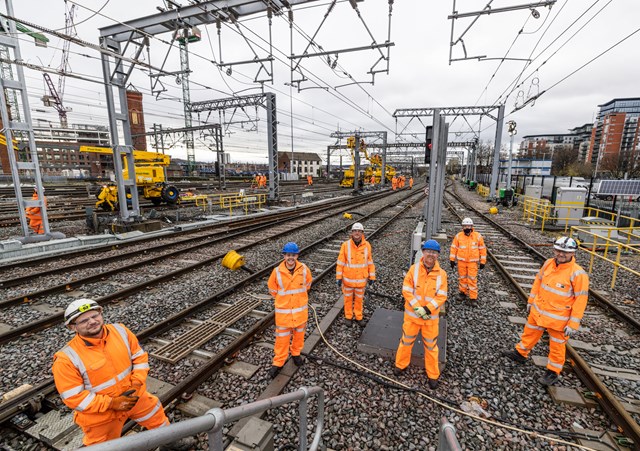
616 132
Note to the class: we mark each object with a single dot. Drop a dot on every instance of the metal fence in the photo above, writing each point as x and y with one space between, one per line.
213 421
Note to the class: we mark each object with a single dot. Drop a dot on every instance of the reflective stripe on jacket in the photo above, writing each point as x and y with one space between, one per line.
290 293
422 289
468 248
355 263
559 295
89 372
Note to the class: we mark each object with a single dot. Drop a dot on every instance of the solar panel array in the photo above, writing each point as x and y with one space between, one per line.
619 187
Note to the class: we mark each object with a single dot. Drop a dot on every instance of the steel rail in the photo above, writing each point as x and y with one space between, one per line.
56 318
24 401
607 400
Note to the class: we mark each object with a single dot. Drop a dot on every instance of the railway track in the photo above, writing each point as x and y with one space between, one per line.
320 255
518 263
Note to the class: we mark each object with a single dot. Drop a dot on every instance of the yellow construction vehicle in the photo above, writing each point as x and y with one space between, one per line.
150 178
374 170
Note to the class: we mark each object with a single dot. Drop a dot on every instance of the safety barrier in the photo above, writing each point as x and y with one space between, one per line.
232 201
483 190
612 242
564 215
447 440
214 420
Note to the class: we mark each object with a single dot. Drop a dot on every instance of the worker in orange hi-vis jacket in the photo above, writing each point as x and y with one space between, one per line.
289 284
425 291
468 251
309 180
557 303
394 183
354 270
410 182
101 375
34 214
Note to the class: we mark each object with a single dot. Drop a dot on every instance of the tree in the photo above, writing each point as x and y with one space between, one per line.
617 165
563 158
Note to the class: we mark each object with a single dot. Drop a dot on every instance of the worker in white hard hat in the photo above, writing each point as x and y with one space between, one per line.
557 302
468 251
354 269
101 375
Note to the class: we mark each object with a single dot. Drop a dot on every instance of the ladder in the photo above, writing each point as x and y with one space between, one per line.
19 129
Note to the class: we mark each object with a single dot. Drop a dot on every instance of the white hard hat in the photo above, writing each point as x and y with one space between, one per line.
78 307
357 226
467 221
565 244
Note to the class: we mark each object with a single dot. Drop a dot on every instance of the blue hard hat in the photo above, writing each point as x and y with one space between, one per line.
291 248
431 245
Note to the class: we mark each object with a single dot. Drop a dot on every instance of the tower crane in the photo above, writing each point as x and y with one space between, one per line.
54 99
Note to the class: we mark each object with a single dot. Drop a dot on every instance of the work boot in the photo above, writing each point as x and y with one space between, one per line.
184 444
433 383
549 378
348 321
360 322
462 296
298 360
398 371
515 356
473 302
273 372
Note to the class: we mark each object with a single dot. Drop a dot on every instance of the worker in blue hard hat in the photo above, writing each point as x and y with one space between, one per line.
425 291
289 283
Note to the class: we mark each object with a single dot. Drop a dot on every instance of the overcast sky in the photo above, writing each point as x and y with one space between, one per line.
419 71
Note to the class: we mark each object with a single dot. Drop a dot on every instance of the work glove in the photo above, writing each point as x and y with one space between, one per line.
568 331
124 402
338 283
452 263
422 312
482 265
371 282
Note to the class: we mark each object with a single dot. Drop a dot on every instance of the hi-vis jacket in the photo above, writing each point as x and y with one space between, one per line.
290 292
422 289
89 372
355 264
468 248
559 295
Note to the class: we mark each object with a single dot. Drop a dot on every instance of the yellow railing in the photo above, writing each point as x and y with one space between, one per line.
612 242
232 201
541 210
483 190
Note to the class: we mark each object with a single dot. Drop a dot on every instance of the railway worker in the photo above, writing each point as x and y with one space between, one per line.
394 183
402 180
309 180
354 269
34 214
425 291
557 302
289 285
101 374
373 180
410 182
468 251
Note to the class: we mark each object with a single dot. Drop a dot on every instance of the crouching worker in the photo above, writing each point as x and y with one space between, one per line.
425 291
289 285
101 375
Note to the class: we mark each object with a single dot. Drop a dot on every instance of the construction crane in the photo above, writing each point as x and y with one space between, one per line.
54 99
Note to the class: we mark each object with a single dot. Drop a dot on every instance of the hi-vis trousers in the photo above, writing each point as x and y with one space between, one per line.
353 300
429 331
468 278
557 344
288 339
